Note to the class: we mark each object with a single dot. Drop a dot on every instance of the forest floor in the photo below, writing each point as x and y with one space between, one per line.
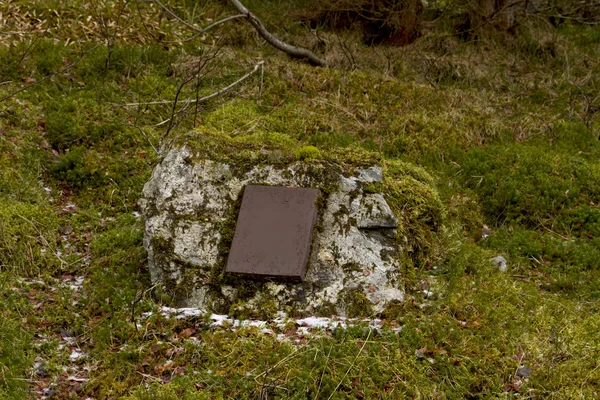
503 134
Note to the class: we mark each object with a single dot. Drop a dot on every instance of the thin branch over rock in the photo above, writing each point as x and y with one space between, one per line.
200 100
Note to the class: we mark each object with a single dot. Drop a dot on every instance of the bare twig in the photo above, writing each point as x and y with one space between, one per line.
137 300
174 111
44 240
262 79
193 27
145 136
180 111
196 75
293 354
110 42
293 51
200 100
323 372
351 365
347 52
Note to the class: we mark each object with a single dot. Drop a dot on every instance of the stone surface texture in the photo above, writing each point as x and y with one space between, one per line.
190 207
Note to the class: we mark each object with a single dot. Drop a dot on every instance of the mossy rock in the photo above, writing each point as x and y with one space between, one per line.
191 203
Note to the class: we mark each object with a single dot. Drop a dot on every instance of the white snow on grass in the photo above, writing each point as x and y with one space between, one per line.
74 378
181 313
76 355
305 326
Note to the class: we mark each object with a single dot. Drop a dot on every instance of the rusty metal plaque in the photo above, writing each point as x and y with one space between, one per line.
273 234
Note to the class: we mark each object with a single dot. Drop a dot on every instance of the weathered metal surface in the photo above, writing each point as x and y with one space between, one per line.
273 234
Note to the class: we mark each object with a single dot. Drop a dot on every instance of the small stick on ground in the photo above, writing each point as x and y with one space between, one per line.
352 365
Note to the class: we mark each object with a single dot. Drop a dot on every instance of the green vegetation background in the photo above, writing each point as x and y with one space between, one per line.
502 132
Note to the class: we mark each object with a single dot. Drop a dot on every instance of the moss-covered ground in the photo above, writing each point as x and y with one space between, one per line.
498 137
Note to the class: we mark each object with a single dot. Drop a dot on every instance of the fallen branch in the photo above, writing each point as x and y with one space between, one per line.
200 100
293 51
193 27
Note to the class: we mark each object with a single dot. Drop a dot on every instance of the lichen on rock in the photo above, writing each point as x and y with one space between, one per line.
190 206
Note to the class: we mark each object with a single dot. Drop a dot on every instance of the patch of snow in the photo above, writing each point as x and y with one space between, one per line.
303 331
181 313
305 326
70 207
314 322
220 319
73 378
76 355
249 323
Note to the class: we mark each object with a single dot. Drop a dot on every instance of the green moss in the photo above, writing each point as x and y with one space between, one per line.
489 132
264 308
376 187
546 251
350 267
48 56
308 153
126 61
393 310
581 221
118 256
80 168
469 259
326 309
527 183
421 215
28 238
355 303
15 344
237 117
79 118
263 148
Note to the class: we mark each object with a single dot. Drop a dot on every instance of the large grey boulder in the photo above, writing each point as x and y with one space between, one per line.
190 207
